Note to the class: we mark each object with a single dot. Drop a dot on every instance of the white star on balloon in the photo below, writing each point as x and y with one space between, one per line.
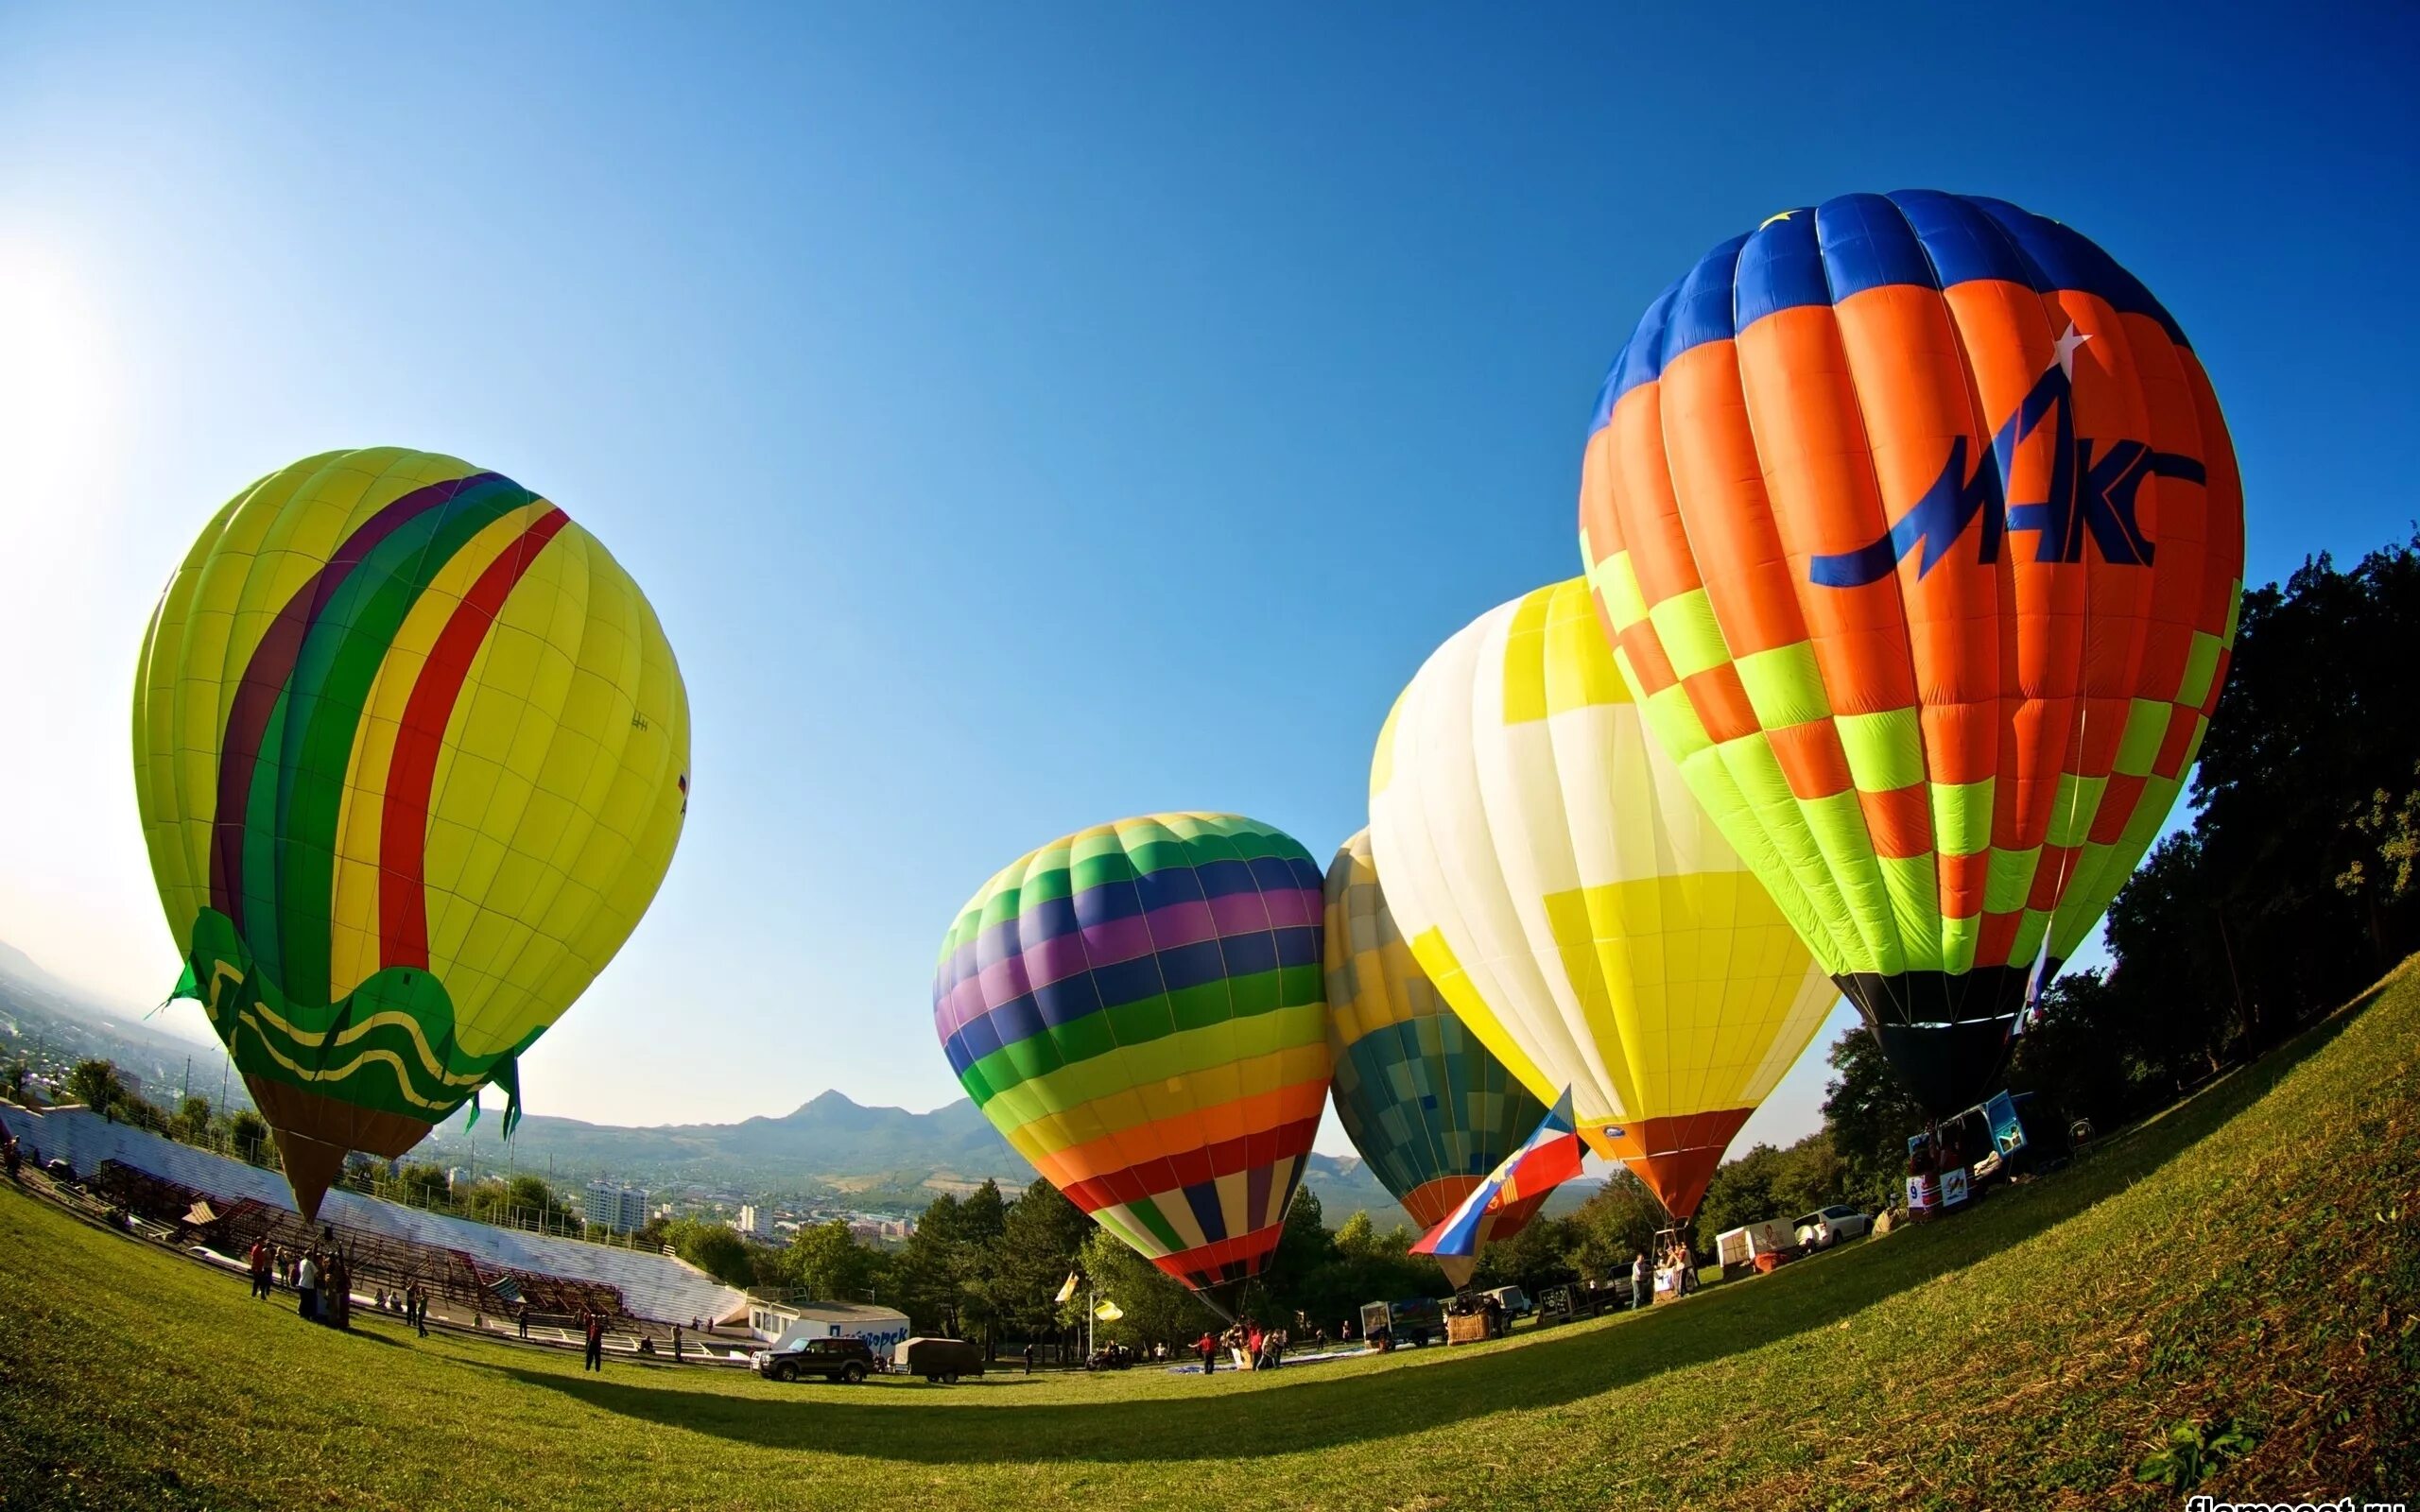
2066 348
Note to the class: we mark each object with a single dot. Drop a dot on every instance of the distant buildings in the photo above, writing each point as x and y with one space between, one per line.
614 1207
755 1221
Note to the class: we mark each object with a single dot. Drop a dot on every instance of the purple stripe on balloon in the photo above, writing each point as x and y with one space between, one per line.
1055 960
1239 913
1291 907
270 669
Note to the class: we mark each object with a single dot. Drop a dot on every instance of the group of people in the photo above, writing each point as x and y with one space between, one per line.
319 1277
1246 1343
321 1280
1676 1271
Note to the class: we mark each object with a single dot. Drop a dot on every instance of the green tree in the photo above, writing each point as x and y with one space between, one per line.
713 1248
1618 1222
249 1133
927 1269
12 1080
1039 1245
423 1184
1535 1259
826 1261
1870 1117
191 1121
95 1084
1156 1310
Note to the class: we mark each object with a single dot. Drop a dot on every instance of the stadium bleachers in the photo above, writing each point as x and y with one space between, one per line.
394 1242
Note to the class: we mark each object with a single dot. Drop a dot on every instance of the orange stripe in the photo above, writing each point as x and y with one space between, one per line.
1900 820
1811 757
1718 482
1997 939
1811 441
1182 1133
1721 704
2117 807
1961 884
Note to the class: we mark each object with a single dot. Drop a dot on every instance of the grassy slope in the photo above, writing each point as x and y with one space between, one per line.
2250 1254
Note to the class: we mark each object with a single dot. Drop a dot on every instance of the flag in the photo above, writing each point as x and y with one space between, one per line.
1068 1292
1549 1157
1109 1312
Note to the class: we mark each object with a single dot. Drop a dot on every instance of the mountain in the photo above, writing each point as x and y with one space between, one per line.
829 1145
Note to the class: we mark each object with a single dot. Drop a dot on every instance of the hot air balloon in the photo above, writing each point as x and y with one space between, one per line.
1418 1094
1136 1006
412 755
1920 535
1577 908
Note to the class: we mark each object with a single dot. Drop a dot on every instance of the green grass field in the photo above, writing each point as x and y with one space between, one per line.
2248 1257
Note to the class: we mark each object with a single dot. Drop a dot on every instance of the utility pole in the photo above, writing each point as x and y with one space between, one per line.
188 1091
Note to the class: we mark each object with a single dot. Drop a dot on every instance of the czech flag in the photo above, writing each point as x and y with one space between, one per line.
1548 1157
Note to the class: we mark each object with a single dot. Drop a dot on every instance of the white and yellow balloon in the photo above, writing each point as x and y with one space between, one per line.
1576 908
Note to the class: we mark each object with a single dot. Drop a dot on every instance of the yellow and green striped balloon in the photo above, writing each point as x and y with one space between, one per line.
412 754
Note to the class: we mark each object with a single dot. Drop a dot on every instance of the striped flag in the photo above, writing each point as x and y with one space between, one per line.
1547 1158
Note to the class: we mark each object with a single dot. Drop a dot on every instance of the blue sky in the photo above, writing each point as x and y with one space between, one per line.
1023 416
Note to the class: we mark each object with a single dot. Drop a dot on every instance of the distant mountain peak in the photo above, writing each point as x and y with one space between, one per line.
830 1100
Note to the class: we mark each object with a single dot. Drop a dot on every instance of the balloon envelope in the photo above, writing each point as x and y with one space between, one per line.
412 756
1918 529
1573 902
1431 1111
1137 1007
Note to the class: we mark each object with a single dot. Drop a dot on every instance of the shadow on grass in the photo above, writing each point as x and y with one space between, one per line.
1326 1411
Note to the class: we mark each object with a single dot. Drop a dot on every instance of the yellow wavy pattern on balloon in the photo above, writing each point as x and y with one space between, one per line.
430 1062
312 1073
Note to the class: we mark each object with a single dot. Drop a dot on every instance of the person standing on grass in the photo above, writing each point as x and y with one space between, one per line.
306 1285
676 1350
1029 1357
594 1359
1207 1346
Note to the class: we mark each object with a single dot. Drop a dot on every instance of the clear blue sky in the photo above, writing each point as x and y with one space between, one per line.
1027 416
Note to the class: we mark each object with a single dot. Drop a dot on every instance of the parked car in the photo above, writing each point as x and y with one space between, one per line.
59 1169
938 1359
846 1360
1514 1301
1826 1227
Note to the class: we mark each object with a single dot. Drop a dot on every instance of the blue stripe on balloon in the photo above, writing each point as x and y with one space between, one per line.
1918 237
1202 1197
1780 269
1964 241
1868 245
2068 260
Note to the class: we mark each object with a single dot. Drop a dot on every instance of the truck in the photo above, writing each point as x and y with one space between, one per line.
938 1361
1414 1321
1738 1251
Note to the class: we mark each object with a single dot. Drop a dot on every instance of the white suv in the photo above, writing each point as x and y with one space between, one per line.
1829 1226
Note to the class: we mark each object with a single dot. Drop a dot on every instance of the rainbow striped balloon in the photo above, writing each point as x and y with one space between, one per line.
1137 1007
412 755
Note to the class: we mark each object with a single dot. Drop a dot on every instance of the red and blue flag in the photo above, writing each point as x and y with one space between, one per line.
1549 1157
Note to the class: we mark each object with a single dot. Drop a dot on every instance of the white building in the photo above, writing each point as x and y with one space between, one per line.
755 1221
616 1207
780 1323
